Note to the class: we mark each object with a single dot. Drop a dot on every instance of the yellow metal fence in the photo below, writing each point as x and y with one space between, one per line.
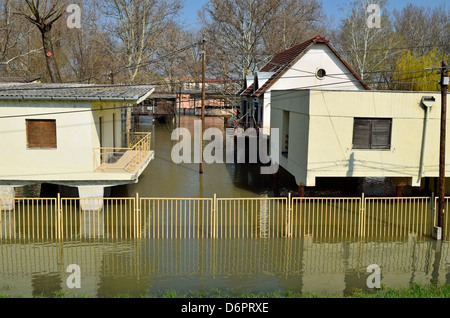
221 218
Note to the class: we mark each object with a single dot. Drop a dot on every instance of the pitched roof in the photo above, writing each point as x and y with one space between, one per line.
75 92
281 62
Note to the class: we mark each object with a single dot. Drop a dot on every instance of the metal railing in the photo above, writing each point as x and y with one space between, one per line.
398 217
251 218
29 219
176 218
127 159
218 218
327 217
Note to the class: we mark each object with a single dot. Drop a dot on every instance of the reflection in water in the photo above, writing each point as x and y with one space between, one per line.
139 267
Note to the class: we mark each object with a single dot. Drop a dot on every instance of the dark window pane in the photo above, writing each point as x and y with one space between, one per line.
372 133
361 134
381 134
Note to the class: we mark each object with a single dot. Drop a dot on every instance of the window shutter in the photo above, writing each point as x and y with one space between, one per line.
381 134
41 134
362 133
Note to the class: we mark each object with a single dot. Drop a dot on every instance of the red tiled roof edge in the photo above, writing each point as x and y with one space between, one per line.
304 47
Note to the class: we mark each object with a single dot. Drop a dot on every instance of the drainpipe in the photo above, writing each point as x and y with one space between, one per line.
428 102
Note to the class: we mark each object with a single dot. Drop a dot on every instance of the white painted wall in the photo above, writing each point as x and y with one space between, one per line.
326 120
302 76
77 136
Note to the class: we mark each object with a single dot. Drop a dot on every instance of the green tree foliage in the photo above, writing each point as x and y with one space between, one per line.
414 72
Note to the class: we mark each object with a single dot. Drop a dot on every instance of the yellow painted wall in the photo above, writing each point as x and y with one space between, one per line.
331 116
76 138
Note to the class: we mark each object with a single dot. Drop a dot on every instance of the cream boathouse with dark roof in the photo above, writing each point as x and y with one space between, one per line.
70 135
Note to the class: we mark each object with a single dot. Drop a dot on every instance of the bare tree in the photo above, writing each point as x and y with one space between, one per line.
244 34
130 29
235 31
370 50
423 29
85 58
13 40
178 59
295 21
43 16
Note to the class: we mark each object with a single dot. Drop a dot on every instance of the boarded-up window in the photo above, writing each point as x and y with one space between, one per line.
372 133
41 134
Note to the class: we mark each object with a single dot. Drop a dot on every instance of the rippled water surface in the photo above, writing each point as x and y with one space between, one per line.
142 267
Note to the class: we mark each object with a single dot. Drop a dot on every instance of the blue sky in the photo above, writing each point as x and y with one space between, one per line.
331 7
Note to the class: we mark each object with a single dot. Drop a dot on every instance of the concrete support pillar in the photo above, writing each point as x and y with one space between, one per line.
399 191
301 191
6 194
91 197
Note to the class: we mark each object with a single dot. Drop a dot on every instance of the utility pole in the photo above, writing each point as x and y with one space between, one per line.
179 105
203 101
444 89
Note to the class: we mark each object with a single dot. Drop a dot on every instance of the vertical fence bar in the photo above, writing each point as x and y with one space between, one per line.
59 212
137 224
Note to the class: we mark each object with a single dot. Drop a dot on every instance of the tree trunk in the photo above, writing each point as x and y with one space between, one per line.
52 66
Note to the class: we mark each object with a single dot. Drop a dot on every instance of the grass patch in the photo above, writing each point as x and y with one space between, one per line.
414 291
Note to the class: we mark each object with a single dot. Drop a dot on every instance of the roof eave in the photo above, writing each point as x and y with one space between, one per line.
281 72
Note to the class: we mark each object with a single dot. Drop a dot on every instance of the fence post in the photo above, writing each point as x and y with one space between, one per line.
59 211
289 216
362 217
137 213
214 217
432 211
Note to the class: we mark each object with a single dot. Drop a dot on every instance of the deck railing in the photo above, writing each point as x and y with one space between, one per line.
128 159
219 218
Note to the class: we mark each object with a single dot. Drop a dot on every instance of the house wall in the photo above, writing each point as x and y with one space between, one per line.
77 135
106 111
330 150
302 76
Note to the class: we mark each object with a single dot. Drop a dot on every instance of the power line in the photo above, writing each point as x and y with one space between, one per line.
132 67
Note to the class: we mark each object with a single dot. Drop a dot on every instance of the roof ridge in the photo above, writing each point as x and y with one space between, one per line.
316 39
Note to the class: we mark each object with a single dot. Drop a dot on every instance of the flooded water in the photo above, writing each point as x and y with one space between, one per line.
163 178
150 266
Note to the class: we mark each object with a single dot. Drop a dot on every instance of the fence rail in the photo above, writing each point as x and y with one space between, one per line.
221 218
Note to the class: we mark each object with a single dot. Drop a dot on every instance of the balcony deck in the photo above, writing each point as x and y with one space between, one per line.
129 160
126 163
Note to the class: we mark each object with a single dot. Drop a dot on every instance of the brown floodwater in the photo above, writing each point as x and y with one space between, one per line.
164 178
150 266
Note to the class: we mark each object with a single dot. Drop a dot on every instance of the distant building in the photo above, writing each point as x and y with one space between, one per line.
312 64
70 135
186 99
